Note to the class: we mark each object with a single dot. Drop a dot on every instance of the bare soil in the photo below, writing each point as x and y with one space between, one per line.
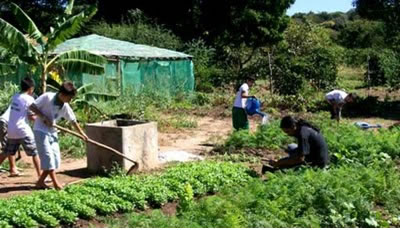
170 209
71 170
198 140
93 223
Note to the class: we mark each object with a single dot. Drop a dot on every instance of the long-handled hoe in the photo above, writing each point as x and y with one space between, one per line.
133 168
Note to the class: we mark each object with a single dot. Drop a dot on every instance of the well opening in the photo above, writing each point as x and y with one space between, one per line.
123 122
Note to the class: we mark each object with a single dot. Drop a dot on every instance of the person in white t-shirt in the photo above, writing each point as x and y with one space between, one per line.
337 99
50 108
3 141
18 131
239 116
3 128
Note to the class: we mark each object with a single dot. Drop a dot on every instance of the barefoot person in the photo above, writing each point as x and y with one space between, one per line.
51 107
3 141
18 130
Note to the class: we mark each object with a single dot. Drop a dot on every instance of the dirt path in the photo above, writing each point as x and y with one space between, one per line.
71 170
209 131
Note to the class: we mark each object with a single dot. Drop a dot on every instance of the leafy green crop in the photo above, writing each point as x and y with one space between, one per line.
267 136
346 196
105 196
346 142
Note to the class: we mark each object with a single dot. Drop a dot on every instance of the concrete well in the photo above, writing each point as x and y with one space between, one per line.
135 139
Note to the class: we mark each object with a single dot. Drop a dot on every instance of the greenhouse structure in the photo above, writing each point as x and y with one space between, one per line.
130 68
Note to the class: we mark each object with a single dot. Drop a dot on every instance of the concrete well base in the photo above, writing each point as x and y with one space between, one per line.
135 139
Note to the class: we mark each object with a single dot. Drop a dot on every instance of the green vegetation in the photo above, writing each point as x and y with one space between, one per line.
350 78
267 136
296 60
340 197
306 58
72 146
6 92
105 196
346 142
360 189
36 49
139 29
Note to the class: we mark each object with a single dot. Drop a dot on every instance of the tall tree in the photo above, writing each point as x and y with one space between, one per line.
307 57
43 12
363 34
240 28
386 10
253 22
33 47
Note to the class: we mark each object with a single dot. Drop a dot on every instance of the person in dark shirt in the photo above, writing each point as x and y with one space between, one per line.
311 148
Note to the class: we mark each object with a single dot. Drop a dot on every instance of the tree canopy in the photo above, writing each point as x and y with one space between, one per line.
387 11
33 47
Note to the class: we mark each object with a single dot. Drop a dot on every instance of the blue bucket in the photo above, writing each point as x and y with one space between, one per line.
252 107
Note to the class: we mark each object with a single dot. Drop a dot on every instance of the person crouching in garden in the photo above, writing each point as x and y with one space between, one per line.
337 99
51 107
239 116
311 149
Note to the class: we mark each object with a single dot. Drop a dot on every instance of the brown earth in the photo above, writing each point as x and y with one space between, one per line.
198 140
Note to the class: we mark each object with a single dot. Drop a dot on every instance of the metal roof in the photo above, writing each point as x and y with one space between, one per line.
116 48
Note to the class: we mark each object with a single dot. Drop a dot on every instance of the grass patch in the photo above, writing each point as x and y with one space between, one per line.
350 78
71 146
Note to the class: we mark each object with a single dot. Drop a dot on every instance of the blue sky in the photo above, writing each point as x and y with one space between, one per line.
316 6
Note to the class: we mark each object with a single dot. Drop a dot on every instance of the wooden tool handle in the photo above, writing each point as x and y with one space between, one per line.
69 131
94 142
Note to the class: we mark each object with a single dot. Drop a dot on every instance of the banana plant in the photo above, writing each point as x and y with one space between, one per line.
33 47
8 62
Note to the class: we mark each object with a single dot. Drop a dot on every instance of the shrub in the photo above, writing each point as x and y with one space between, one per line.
140 29
384 68
204 70
306 58
6 92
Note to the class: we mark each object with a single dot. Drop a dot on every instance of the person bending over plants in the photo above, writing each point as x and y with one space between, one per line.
337 99
311 149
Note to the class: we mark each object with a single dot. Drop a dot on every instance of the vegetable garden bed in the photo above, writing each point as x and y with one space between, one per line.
105 196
